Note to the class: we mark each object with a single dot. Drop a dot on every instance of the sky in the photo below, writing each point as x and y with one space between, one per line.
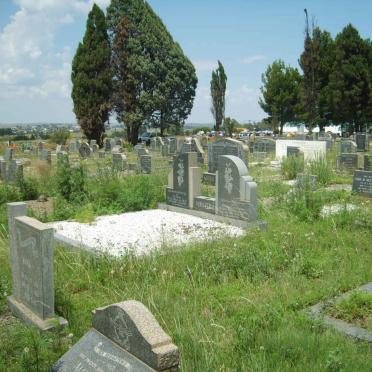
38 39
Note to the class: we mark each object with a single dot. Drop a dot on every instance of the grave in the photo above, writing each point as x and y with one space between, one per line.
124 337
101 154
73 146
348 147
117 149
46 155
310 149
14 171
145 164
184 181
197 147
95 148
209 178
31 253
3 169
119 161
362 141
225 146
267 145
347 162
108 145
8 154
85 150
293 151
362 183
368 163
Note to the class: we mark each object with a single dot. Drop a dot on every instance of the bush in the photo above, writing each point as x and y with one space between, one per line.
59 136
291 166
28 188
321 168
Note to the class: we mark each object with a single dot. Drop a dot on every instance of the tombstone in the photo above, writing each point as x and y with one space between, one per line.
46 155
108 146
137 147
197 147
236 192
85 150
154 143
123 337
8 154
311 149
267 145
101 154
209 179
142 151
293 151
93 142
304 180
73 146
347 162
368 163
186 147
185 181
165 150
117 149
118 142
172 142
145 164
15 171
40 147
31 246
348 147
225 146
58 148
119 161
95 148
3 169
362 183
362 141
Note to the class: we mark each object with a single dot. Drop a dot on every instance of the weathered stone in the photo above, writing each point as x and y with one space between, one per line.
348 147
117 149
119 161
362 183
125 337
32 270
311 149
205 204
209 178
347 162
15 171
95 148
101 154
145 163
85 150
368 163
362 141
46 155
8 154
267 145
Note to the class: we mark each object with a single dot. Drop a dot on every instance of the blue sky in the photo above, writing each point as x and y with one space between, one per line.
38 39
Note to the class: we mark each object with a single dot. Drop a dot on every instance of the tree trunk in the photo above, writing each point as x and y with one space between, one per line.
281 128
134 135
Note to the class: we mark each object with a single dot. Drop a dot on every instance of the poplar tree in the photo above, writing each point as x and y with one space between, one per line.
218 91
91 77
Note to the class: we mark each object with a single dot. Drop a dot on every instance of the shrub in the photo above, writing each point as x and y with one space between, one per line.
59 136
291 166
321 168
28 188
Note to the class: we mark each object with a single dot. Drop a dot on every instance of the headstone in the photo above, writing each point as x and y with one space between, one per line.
267 145
197 147
93 142
209 178
8 155
311 149
186 181
362 183
165 150
117 149
226 146
236 192
101 154
119 161
348 147
347 162
368 163
362 141
293 151
3 169
73 146
137 147
58 148
15 171
40 147
85 150
95 148
154 143
145 162
124 337
46 155
31 244
172 145
108 145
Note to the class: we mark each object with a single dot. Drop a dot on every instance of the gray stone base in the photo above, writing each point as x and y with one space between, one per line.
262 225
317 312
25 314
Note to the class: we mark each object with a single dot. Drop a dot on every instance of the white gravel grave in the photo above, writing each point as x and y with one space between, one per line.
141 232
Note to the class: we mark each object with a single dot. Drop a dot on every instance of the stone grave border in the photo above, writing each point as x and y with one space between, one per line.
318 312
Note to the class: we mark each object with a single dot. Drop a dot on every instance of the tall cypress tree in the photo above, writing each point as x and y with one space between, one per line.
91 77
218 91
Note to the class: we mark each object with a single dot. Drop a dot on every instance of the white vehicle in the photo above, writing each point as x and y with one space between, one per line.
244 135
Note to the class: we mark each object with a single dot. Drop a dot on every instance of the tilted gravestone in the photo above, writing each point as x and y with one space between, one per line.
236 192
226 146
119 161
362 141
185 181
124 337
347 162
145 164
31 252
85 150
348 147
362 183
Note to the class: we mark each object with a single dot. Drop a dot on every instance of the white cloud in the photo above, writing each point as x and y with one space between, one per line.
205 65
32 66
252 59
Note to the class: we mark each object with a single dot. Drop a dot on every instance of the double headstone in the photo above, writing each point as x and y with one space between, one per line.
124 337
31 255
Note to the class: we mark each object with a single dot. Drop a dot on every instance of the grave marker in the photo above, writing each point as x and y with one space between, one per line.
348 147
124 337
362 141
85 150
347 162
362 183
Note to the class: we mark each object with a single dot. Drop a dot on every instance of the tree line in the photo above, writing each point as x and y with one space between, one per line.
129 65
333 88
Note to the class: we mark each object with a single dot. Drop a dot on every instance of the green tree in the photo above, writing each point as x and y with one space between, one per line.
91 77
280 94
229 125
350 81
218 91
316 62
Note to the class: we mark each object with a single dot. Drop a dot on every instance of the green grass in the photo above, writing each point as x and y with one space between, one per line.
356 308
240 308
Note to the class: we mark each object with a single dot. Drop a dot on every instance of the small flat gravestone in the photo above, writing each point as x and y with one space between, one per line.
31 255
362 183
124 337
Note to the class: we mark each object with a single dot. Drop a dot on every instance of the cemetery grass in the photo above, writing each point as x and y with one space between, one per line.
229 305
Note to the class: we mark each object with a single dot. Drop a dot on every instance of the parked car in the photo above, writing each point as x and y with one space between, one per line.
146 138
